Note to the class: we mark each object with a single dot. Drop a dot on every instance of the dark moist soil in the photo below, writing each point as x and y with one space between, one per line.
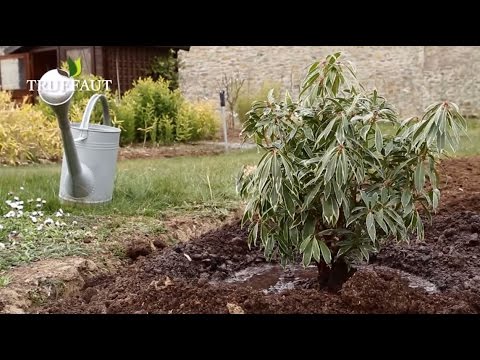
218 273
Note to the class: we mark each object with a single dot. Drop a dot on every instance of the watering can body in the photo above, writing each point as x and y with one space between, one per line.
97 149
90 150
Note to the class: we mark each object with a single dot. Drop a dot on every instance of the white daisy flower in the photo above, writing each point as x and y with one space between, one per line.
10 214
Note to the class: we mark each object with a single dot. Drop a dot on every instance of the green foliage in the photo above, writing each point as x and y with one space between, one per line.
197 121
149 111
166 68
246 98
331 185
26 134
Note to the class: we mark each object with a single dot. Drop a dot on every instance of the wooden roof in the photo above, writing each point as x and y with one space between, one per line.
19 49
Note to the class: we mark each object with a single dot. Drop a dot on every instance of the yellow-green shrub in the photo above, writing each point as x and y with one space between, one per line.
149 111
197 121
26 134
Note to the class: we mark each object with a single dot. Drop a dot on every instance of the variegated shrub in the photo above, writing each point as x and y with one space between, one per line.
340 173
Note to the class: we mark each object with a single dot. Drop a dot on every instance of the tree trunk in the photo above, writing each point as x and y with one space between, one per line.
333 278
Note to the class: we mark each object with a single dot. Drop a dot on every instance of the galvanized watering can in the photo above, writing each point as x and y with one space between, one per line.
90 150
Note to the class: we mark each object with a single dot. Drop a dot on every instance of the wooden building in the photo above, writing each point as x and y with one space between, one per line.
121 64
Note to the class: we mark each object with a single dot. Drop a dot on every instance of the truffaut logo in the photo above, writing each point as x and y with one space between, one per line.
74 67
73 72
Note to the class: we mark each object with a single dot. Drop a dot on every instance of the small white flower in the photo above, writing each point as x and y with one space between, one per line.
39 199
10 193
44 201
62 224
48 221
74 222
30 200
34 219
57 223
40 213
40 227
58 214
22 188
38 205
16 198
2 246
9 214
8 202
20 213
35 213
20 207
20 202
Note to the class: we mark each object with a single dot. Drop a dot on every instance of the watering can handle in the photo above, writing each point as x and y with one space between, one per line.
88 113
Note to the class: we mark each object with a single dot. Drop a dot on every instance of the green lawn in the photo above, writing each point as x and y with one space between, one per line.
143 187
470 145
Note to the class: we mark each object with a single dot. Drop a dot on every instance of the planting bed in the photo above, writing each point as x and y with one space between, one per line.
217 273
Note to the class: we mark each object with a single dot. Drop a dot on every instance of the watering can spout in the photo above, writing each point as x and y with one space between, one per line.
56 89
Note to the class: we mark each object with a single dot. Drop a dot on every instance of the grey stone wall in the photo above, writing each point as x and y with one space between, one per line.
411 77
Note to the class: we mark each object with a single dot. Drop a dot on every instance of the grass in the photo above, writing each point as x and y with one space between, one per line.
143 187
144 191
470 144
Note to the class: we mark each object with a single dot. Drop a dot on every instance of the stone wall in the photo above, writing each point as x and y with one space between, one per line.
411 77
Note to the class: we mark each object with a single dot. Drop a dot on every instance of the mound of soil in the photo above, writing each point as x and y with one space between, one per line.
218 273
